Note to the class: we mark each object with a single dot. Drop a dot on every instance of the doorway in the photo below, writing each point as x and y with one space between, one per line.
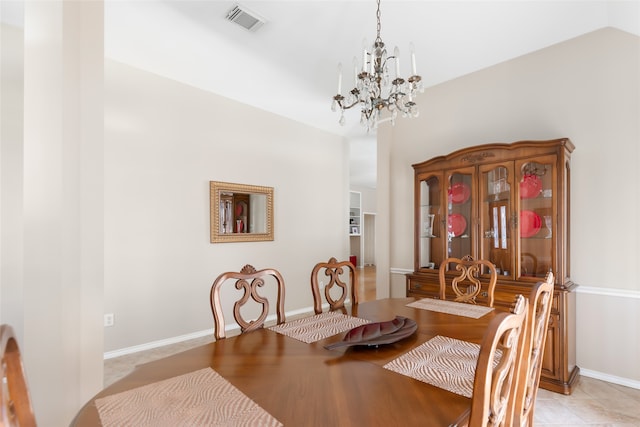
369 237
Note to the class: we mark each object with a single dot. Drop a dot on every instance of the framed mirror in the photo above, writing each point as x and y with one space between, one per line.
240 213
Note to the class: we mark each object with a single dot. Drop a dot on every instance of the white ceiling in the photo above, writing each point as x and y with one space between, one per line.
289 65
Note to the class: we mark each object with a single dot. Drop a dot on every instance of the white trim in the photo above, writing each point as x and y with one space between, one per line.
620 293
610 378
400 271
156 344
181 338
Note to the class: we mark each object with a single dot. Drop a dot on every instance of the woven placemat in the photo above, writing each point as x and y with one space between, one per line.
200 398
444 362
314 328
451 307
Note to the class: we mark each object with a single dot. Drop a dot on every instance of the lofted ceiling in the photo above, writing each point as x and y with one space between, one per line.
289 65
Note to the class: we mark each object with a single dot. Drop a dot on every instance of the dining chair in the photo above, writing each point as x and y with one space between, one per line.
494 384
340 274
466 284
14 392
540 303
248 280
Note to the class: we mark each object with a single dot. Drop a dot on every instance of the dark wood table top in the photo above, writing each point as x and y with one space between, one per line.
306 385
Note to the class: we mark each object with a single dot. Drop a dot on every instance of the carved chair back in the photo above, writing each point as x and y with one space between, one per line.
248 280
465 283
14 392
499 360
341 275
540 303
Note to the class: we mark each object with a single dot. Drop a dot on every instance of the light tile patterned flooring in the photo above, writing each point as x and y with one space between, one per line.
593 402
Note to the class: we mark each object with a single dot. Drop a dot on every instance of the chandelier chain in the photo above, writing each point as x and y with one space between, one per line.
379 25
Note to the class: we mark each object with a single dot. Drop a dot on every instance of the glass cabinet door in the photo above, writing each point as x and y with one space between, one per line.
460 218
536 223
496 216
430 233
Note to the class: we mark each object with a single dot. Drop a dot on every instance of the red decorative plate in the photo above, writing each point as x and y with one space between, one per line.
530 223
456 224
459 193
530 186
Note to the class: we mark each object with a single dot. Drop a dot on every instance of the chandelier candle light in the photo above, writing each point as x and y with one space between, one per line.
374 91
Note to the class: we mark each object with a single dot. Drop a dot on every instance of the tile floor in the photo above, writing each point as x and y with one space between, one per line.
593 403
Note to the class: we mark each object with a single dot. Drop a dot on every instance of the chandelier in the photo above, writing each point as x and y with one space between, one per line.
374 90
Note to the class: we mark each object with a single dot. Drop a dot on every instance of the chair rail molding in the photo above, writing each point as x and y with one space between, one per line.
395 270
610 292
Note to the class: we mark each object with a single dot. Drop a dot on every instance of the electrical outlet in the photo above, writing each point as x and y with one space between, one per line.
109 319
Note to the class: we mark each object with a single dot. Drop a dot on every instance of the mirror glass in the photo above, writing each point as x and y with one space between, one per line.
240 213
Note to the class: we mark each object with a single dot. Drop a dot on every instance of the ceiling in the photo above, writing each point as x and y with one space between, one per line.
289 65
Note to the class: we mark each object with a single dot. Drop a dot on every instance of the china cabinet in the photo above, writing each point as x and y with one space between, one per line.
509 204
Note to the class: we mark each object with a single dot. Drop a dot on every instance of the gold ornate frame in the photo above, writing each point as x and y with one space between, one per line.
216 189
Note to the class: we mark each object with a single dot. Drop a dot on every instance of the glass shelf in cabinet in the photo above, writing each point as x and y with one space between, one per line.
532 275
544 194
541 237
505 195
538 205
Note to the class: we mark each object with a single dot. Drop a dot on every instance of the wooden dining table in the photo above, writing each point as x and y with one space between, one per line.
304 384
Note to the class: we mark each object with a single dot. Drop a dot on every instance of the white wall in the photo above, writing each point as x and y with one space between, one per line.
11 158
164 142
52 234
368 198
88 227
586 89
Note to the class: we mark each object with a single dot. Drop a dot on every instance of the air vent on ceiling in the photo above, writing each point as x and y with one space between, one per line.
245 18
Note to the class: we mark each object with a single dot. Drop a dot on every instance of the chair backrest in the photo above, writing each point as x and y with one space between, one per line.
540 303
466 284
493 395
335 272
16 402
248 279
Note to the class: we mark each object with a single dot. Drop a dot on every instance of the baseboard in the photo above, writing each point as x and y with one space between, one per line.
155 344
181 338
610 378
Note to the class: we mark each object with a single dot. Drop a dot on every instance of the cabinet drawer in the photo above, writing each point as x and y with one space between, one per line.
420 288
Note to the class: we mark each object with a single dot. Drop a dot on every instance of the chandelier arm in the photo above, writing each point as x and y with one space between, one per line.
346 107
374 89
